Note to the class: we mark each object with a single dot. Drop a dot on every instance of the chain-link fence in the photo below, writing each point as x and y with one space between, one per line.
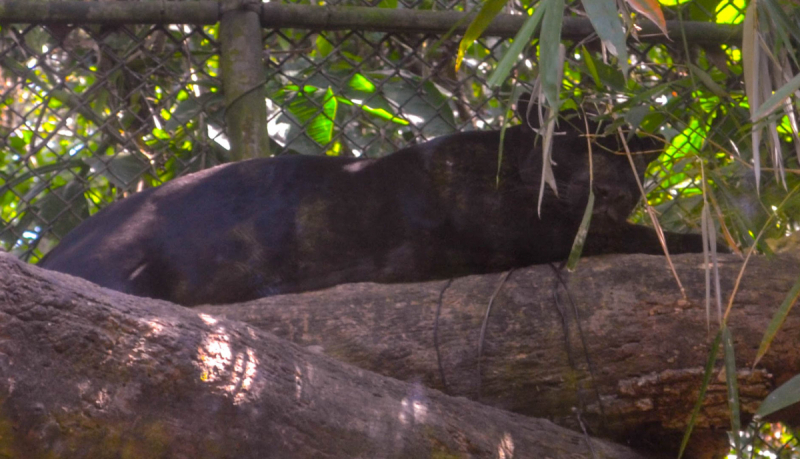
94 112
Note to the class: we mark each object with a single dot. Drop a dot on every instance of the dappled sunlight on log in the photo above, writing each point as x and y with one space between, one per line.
505 449
235 371
413 411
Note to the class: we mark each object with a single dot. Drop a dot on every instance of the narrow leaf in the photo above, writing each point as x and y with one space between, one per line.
547 166
590 65
712 357
777 320
705 222
580 238
777 99
381 113
709 82
488 11
511 57
786 395
605 19
751 56
551 60
651 10
733 387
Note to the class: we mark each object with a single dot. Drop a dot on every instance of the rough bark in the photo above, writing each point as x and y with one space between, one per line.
86 372
646 343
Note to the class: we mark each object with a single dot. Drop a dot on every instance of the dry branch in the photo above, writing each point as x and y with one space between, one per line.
86 372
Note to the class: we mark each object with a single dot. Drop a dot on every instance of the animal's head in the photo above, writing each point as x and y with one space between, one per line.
614 183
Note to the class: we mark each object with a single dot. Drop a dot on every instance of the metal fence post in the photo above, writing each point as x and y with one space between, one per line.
241 63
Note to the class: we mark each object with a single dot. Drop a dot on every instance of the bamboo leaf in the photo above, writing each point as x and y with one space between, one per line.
733 387
511 57
786 395
777 99
605 19
488 11
592 67
547 167
551 60
751 56
651 10
777 320
709 82
580 238
712 357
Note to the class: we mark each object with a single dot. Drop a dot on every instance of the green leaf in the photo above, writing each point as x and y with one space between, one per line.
733 387
64 208
381 113
777 320
751 56
777 99
591 67
189 109
604 17
361 83
786 395
605 75
324 47
703 10
488 11
636 115
123 169
712 357
550 61
511 56
580 238
709 82
321 127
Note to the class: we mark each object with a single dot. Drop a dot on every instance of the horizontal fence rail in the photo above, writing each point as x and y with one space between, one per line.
275 15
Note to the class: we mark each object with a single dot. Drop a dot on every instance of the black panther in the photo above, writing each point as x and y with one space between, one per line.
435 210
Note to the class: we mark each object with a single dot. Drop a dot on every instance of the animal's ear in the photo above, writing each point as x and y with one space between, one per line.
528 111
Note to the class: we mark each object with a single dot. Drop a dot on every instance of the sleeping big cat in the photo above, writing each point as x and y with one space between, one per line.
268 226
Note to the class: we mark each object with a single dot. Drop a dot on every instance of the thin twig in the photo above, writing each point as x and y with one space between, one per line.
502 282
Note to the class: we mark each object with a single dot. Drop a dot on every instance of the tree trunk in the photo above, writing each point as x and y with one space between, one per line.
647 344
86 372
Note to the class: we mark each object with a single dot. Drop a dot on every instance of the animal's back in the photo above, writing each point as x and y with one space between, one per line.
436 210
187 239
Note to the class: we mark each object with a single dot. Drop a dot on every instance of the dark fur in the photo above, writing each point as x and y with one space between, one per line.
289 224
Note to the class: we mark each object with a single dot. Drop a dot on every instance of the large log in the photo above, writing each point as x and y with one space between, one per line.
86 372
647 344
